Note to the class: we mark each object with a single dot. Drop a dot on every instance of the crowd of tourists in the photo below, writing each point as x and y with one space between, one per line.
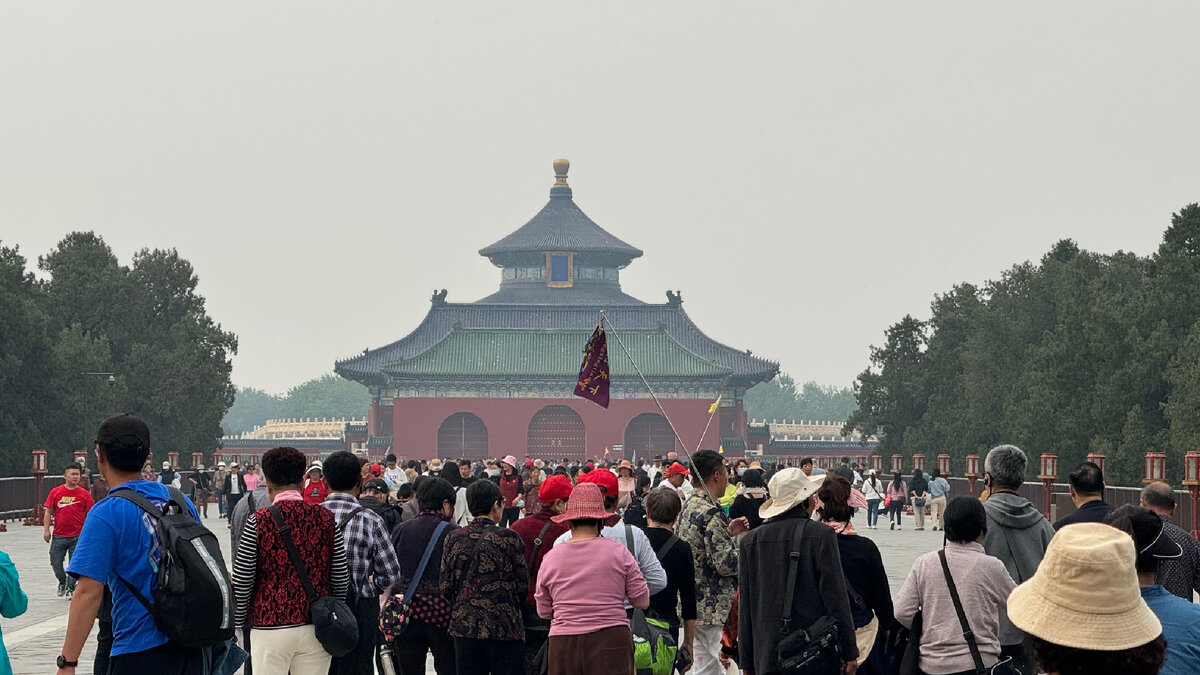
661 565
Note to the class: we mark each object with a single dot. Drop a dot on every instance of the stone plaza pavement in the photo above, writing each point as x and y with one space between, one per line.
35 638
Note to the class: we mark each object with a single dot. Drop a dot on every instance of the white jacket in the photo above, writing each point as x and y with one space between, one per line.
873 488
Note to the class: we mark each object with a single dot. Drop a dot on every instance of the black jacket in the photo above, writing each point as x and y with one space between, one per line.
389 512
241 483
762 576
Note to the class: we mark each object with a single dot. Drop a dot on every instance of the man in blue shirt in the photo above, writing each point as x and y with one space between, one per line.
119 543
1180 619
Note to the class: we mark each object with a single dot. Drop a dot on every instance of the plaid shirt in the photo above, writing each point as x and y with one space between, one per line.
369 550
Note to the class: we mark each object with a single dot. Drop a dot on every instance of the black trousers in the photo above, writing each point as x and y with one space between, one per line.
361 659
510 516
418 639
104 639
162 660
481 657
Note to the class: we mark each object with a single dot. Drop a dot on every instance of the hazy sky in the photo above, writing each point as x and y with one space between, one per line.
806 173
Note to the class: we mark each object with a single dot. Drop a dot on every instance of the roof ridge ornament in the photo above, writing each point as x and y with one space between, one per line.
561 166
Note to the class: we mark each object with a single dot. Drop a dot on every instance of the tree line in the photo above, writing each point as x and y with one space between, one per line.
781 399
1081 352
144 323
326 396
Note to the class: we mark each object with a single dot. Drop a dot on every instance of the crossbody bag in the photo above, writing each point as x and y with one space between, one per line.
811 651
1005 666
397 611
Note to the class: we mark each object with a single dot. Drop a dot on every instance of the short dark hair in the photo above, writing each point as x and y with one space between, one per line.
432 492
404 491
1144 526
590 522
283 465
1087 479
834 494
125 453
389 458
72 467
806 460
753 478
342 470
964 520
482 496
705 463
663 505
1159 495
610 502
845 460
1141 660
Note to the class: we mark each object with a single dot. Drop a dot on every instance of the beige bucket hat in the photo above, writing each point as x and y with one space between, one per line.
1085 593
789 488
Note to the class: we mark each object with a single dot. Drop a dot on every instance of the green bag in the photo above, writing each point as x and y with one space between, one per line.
654 646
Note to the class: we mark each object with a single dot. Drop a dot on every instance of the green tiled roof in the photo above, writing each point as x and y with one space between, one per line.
490 352
379 442
733 443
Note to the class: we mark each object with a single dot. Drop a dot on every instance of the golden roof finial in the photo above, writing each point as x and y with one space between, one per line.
560 172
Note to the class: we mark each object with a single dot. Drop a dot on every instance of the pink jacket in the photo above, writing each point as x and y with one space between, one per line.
894 493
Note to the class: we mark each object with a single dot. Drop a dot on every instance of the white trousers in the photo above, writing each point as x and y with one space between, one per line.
279 651
706 656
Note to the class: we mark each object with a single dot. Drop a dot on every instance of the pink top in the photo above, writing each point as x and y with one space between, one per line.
251 482
582 586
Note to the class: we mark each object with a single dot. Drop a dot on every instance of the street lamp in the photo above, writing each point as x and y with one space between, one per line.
197 457
1191 478
877 463
919 462
38 469
1156 467
173 460
943 465
1097 458
897 462
1048 475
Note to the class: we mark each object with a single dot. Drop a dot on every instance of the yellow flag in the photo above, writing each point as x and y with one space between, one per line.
713 408
720 449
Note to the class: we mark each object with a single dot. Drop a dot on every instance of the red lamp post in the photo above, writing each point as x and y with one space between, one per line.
919 462
972 472
1048 475
877 463
1191 478
38 469
1096 458
943 465
197 457
897 463
173 459
1156 467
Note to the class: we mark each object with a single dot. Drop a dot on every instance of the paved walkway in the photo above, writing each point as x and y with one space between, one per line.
35 638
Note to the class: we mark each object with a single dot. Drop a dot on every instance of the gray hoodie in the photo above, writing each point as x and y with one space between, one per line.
1018 535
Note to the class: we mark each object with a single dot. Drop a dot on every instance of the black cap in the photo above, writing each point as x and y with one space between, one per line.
123 426
376 484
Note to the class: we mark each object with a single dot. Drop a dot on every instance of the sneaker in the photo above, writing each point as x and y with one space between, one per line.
935 528
892 526
70 593
62 589
919 529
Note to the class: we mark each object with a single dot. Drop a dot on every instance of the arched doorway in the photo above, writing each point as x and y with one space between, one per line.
647 435
556 431
462 435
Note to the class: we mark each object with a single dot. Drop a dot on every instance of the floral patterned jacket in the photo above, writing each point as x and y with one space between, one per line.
705 527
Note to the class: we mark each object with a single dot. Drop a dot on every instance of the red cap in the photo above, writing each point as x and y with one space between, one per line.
678 469
604 478
529 464
554 488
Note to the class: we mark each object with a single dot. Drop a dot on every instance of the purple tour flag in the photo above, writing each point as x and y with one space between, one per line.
593 373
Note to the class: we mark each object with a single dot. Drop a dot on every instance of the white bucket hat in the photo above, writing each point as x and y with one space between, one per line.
1085 594
789 488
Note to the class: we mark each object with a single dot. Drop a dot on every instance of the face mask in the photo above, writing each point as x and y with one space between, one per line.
741 471
494 472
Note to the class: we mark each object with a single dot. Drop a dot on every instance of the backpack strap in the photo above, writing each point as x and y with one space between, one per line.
968 635
793 569
537 543
346 518
285 533
416 580
666 547
176 497
629 540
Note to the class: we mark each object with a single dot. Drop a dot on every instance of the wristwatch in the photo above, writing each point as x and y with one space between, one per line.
64 663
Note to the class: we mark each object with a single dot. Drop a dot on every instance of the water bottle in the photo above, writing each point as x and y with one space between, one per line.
387 666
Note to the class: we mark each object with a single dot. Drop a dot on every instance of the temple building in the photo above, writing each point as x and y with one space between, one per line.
496 376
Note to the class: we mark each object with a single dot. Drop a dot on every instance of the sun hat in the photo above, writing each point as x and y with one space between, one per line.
755 465
625 465
511 461
789 488
554 488
539 463
1085 593
585 502
604 479
678 469
435 464
220 465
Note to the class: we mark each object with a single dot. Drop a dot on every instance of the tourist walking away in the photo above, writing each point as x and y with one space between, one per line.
428 628
780 593
204 490
375 496
706 528
1180 576
1083 609
897 494
484 575
235 487
939 493
582 588
369 554
13 603
845 471
119 547
662 513
538 532
513 489
315 490
218 483
66 508
752 494
961 575
1180 619
629 536
270 595
873 490
1087 493
866 581
1017 533
918 494
253 501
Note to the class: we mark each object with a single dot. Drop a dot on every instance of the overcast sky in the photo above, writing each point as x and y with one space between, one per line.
806 173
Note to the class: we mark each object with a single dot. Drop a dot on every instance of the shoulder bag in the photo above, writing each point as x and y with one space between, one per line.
397 611
332 618
814 650
1005 666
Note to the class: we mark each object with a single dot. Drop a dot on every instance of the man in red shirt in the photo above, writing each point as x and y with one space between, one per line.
67 505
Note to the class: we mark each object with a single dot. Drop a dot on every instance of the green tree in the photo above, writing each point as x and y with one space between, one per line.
326 396
1182 407
892 393
251 407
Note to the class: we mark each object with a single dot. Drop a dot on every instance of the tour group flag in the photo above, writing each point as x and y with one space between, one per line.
713 408
593 373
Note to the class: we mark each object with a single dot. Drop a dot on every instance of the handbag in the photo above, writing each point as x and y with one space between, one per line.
332 618
887 501
1005 665
397 611
918 502
904 647
814 650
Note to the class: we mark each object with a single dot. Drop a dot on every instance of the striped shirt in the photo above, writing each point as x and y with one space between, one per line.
369 551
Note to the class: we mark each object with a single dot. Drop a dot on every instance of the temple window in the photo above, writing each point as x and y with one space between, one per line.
560 269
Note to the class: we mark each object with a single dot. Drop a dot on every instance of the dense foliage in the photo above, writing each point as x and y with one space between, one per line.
143 322
325 396
1081 352
780 399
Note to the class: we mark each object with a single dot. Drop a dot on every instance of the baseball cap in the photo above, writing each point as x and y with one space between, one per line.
376 484
554 488
123 426
678 469
605 479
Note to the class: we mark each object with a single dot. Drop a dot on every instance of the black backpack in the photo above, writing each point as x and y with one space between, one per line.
193 602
